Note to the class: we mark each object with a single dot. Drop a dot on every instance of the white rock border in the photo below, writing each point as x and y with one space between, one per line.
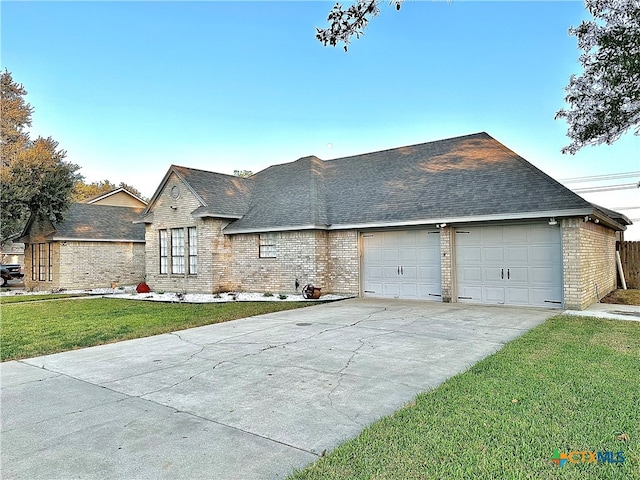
129 293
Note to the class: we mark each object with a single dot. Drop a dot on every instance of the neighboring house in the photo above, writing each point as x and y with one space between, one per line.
97 244
457 220
12 253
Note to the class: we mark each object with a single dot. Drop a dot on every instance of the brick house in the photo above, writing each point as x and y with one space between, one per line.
457 220
97 244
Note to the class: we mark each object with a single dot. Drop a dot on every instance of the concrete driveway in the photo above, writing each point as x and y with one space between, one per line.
251 399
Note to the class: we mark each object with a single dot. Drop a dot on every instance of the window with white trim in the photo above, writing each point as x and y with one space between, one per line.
177 250
34 263
192 240
267 247
42 262
164 253
49 245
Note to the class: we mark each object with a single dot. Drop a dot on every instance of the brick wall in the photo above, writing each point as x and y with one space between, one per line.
588 257
213 248
343 276
300 255
328 260
447 265
83 265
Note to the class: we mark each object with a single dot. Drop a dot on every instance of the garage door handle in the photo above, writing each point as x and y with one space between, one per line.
401 270
502 274
508 274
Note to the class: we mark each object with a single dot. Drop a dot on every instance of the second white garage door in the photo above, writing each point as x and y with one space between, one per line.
402 264
513 265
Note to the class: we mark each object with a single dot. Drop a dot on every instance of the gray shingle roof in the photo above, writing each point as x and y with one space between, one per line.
465 178
470 176
223 195
100 223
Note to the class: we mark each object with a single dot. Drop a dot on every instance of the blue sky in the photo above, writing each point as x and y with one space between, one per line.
128 88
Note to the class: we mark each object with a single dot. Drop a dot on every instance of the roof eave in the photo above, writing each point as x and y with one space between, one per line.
85 239
229 230
216 215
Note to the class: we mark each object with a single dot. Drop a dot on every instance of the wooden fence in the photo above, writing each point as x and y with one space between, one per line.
630 258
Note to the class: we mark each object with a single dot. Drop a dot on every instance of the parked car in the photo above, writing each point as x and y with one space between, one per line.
10 272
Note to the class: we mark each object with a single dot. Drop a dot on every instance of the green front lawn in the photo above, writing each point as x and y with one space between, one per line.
38 328
571 384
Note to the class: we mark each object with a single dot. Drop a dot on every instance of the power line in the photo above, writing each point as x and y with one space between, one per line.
607 188
595 178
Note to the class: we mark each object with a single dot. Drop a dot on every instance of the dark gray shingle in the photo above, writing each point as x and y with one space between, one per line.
100 222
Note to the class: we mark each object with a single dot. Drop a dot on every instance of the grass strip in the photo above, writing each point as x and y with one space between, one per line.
572 384
37 298
32 329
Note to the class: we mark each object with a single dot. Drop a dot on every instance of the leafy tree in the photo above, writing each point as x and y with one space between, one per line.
604 101
34 177
15 116
243 173
83 191
344 24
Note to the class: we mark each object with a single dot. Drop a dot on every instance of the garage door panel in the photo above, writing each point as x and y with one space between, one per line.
391 290
390 255
428 256
469 255
409 273
544 275
493 294
543 235
512 264
374 273
517 275
408 290
491 236
390 272
515 234
492 274
544 254
545 297
428 273
493 254
517 296
516 255
429 291
470 293
406 255
470 274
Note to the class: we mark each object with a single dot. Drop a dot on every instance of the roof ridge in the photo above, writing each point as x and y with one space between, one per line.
434 142
209 171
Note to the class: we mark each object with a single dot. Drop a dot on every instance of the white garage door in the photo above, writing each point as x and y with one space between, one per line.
402 264
513 265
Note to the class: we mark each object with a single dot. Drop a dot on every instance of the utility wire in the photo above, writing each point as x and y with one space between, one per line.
595 178
607 188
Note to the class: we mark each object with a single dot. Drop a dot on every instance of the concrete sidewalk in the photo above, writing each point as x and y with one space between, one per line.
610 311
250 399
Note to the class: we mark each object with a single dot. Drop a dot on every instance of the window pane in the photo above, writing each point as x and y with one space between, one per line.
50 262
42 262
163 251
193 250
267 245
34 262
177 250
